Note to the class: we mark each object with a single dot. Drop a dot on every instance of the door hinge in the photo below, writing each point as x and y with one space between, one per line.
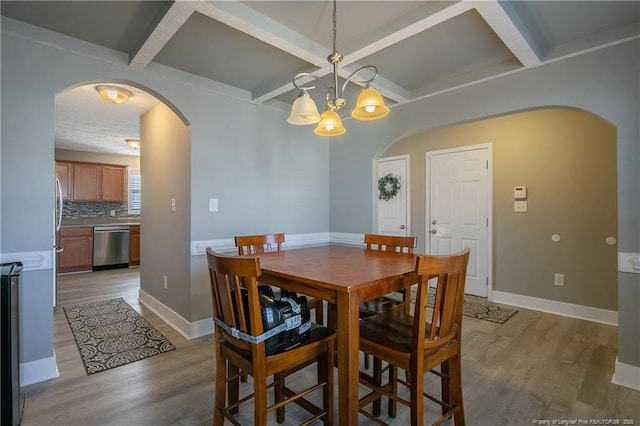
487 164
486 279
487 222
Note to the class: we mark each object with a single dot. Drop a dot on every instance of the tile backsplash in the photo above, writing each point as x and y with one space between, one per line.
72 210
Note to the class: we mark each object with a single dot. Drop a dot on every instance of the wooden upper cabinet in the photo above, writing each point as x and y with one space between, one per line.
113 183
92 181
86 182
64 172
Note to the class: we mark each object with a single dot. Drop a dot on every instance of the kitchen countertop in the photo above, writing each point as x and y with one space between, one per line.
107 221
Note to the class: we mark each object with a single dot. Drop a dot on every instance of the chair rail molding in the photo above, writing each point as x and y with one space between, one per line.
31 260
227 245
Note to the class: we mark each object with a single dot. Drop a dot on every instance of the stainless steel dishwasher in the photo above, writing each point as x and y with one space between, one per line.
110 247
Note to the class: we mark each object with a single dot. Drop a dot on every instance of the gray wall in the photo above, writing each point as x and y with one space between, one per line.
267 175
270 176
604 83
567 160
165 234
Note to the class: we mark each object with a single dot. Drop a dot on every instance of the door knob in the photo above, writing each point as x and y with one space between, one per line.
433 231
433 222
401 226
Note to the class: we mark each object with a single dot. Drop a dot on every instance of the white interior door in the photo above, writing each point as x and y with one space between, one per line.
459 210
393 214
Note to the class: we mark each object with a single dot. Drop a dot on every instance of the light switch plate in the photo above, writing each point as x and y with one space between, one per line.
213 205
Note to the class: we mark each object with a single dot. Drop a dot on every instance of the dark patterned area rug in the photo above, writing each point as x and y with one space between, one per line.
476 307
110 333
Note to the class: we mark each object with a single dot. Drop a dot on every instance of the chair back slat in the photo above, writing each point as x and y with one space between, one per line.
445 320
229 276
390 243
256 244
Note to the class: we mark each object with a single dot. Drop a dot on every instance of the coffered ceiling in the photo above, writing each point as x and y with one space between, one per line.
252 49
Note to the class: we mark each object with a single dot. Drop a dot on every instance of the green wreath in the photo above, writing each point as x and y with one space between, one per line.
389 186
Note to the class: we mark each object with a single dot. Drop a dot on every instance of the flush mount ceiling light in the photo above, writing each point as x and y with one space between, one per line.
113 94
133 143
369 106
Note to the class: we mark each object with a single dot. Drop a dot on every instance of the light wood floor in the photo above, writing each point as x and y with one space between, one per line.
535 366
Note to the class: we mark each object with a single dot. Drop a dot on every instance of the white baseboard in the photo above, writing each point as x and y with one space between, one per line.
626 375
190 330
346 238
38 371
560 308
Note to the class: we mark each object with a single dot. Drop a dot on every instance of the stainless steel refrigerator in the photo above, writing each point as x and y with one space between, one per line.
57 222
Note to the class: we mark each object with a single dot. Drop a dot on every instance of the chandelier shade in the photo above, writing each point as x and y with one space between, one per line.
113 94
330 124
369 106
304 110
133 143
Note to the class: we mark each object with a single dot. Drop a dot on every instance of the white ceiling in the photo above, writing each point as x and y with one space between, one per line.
254 48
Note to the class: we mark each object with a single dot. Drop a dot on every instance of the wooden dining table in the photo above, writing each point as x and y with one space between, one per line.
344 276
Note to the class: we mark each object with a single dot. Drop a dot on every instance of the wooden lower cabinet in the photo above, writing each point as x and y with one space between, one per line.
77 249
134 245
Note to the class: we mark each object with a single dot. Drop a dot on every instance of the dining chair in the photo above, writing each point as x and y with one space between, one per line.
389 243
418 342
238 347
264 243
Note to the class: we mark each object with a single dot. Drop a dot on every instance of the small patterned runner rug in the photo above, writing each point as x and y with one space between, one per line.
481 309
476 307
110 333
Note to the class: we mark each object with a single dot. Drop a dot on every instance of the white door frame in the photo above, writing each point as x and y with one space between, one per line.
374 192
427 210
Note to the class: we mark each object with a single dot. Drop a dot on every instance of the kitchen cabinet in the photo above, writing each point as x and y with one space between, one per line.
64 172
134 245
99 182
77 249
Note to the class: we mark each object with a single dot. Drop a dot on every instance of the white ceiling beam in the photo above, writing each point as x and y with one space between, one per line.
170 23
506 29
386 87
243 18
409 31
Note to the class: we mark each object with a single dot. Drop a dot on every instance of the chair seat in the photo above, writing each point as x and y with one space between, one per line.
378 305
393 330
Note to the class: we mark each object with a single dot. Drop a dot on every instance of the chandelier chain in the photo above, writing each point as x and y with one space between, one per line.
335 24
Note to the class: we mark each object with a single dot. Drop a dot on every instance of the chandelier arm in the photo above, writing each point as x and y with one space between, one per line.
370 67
306 74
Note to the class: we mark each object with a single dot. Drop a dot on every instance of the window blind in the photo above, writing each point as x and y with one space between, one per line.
134 191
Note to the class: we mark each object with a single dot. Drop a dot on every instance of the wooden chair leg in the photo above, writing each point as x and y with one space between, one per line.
445 385
320 312
260 400
377 381
234 387
221 392
456 390
416 390
366 361
393 380
325 373
279 395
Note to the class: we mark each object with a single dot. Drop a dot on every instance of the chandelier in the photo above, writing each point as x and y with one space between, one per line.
369 105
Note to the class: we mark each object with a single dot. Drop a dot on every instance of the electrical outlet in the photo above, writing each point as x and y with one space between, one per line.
559 279
520 206
173 205
166 285
112 212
